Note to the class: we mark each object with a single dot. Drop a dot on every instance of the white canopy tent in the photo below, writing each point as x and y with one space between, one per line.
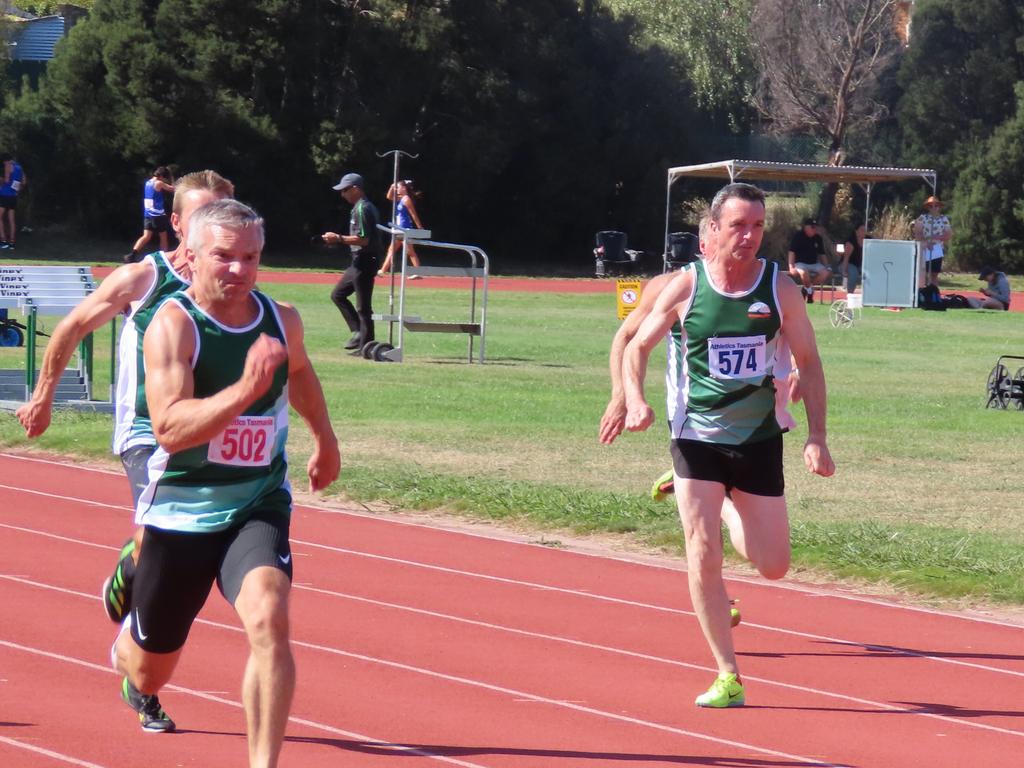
760 170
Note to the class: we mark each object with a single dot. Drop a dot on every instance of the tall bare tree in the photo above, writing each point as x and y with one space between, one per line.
820 65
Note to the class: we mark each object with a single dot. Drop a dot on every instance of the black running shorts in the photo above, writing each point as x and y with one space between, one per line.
157 223
177 570
754 468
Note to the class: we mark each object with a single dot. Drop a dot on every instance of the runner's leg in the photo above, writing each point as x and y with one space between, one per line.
759 530
700 510
269 682
255 577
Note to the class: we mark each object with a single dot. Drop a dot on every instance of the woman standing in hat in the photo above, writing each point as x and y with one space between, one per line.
933 231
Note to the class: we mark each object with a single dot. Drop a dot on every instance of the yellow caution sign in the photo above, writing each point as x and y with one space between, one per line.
627 293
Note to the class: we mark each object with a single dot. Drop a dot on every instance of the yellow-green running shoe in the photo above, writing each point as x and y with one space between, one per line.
152 717
664 486
117 589
734 614
726 691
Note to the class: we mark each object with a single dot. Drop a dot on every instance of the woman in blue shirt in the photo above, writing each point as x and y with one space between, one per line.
406 217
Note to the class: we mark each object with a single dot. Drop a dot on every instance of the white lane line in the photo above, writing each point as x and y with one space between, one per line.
55 463
947 719
49 753
61 497
58 537
449 678
895 651
760 584
351 735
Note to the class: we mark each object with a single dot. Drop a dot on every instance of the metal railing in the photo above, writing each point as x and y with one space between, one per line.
479 269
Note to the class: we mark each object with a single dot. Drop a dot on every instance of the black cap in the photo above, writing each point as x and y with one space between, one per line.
985 272
349 180
810 221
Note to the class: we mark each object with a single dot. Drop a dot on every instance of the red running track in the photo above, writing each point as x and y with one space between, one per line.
424 646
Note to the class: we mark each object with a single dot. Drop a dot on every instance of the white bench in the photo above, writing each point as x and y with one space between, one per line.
48 291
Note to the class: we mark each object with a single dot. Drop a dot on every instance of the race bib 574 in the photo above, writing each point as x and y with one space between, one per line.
737 357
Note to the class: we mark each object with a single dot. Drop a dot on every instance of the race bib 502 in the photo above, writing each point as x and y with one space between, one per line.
247 442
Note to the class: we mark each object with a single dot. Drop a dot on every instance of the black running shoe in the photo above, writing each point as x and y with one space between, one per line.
152 717
117 589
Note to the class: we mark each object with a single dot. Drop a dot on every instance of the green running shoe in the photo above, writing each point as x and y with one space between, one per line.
152 717
726 691
664 486
734 614
117 589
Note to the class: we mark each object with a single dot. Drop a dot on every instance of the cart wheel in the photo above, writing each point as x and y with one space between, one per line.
840 314
379 352
11 336
368 348
998 387
1017 392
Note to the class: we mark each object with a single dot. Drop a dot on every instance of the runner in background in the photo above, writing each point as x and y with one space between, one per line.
406 218
135 291
154 217
725 435
12 182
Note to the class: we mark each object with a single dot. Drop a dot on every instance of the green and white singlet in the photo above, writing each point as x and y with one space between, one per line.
721 362
132 426
213 486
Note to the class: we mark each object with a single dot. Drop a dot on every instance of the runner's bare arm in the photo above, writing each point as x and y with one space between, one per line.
307 397
114 295
614 418
800 336
666 311
181 420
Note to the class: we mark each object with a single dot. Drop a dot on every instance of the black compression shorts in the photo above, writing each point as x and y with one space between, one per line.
177 570
754 468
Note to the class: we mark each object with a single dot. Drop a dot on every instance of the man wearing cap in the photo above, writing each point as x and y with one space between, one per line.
932 230
364 241
808 260
997 292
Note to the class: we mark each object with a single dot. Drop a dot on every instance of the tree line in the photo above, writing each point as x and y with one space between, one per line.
536 122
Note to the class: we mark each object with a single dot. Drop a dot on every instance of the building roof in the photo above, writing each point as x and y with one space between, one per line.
34 39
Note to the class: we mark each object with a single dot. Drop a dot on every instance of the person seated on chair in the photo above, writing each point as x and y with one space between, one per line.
853 255
997 292
808 259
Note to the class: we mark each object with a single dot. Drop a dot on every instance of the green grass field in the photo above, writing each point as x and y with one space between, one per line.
928 491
